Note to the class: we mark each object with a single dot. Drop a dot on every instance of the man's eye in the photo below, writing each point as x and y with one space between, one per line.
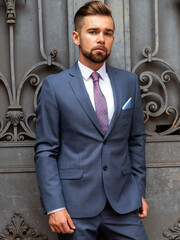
92 32
108 34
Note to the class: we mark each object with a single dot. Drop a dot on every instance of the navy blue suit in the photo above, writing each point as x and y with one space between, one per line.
77 166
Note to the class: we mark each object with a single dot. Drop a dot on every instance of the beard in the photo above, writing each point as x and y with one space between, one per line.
98 57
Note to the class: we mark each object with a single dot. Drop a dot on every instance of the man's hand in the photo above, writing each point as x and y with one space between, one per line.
144 209
61 222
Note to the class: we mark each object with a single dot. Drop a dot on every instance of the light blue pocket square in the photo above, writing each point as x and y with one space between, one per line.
127 104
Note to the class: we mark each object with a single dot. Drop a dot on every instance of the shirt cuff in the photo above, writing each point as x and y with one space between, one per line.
55 210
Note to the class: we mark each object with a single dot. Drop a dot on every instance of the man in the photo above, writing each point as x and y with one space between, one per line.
90 140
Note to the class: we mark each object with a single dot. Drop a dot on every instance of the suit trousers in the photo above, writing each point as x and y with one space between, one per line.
110 225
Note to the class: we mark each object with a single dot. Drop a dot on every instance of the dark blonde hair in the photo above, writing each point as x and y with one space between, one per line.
90 8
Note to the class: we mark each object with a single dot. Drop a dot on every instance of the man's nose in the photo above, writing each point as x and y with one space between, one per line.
101 37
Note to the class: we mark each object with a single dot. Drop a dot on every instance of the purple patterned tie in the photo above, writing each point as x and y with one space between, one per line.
100 103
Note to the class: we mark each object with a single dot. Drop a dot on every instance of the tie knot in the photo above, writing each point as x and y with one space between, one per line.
95 76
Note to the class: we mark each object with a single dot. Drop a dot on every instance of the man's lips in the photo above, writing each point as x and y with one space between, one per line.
100 49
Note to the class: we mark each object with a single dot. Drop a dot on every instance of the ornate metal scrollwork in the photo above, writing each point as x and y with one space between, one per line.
19 230
155 98
15 114
173 233
19 125
155 84
10 11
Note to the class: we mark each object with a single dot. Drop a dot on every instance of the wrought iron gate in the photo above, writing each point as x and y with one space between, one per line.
35 40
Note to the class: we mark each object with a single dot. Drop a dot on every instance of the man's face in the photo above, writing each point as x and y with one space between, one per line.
95 39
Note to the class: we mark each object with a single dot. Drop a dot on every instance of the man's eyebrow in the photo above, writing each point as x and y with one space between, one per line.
106 29
93 28
109 30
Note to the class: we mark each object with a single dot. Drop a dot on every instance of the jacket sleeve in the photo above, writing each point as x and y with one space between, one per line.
137 142
47 149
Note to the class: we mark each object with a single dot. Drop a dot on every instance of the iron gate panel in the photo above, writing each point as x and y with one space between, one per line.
35 41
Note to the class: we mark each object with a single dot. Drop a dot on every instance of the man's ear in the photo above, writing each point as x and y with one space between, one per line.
76 38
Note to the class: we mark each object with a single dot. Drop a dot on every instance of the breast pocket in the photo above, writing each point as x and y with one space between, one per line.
124 120
127 111
126 114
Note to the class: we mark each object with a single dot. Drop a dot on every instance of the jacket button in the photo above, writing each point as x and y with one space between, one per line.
105 141
105 168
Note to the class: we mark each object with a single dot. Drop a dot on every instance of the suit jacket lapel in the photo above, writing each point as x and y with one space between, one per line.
117 94
79 89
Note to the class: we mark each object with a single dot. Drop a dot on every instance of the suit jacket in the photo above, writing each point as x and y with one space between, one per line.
77 166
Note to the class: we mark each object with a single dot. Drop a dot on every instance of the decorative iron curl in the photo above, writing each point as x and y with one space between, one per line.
36 82
167 77
152 107
155 104
27 132
147 80
34 79
15 115
26 127
8 136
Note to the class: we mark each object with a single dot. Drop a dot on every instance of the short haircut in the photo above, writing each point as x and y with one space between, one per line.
90 8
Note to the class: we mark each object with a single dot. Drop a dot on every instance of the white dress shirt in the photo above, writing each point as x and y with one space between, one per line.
104 83
106 88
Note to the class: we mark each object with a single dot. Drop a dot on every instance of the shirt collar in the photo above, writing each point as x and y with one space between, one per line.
86 72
